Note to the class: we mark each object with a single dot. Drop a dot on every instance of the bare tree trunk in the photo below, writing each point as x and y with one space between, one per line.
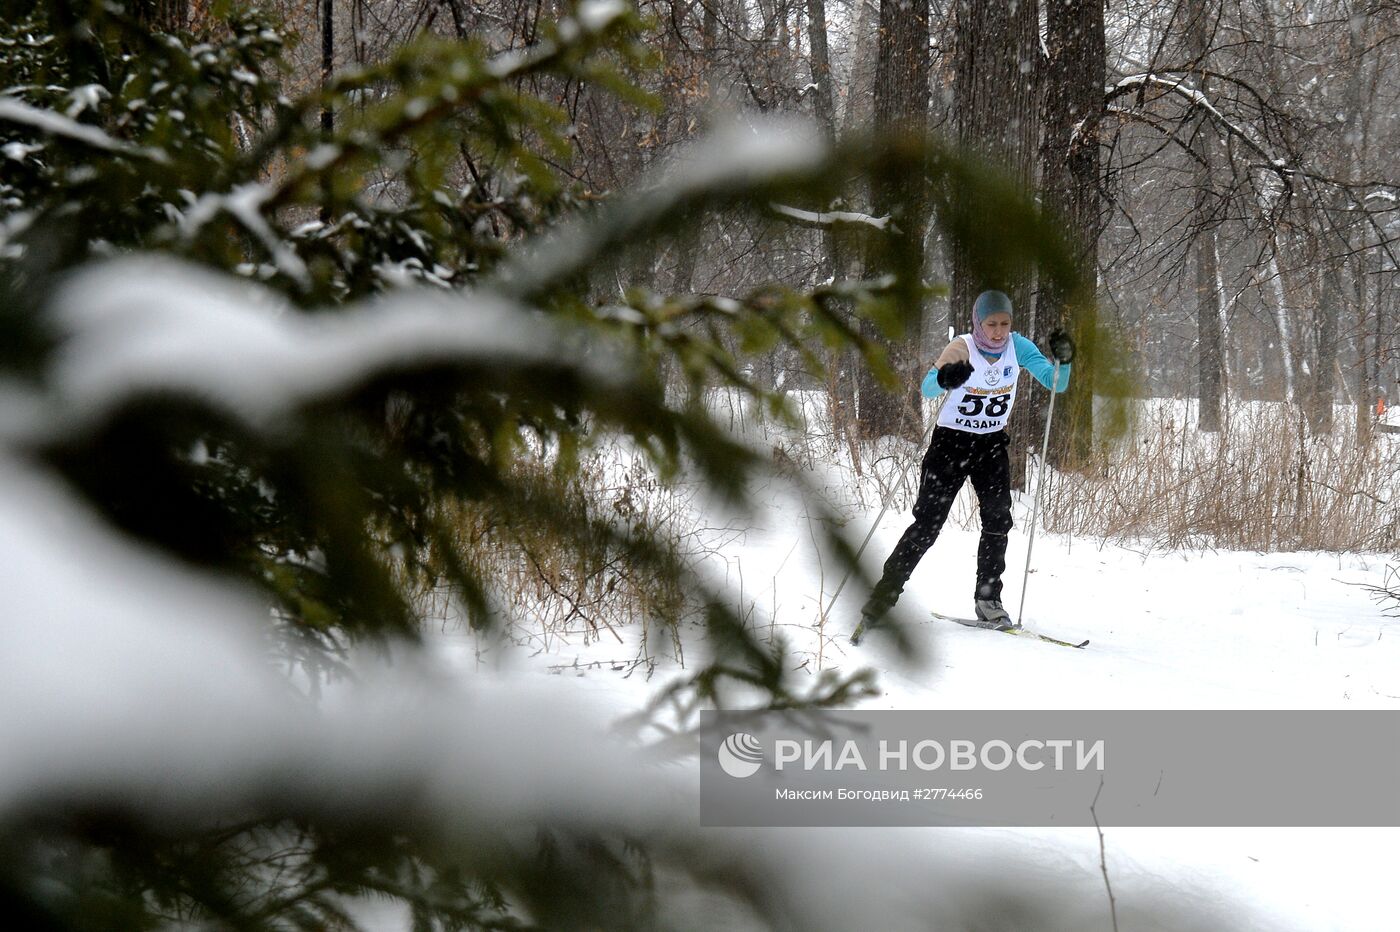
859 100
1384 351
856 116
1071 174
327 61
1202 18
1368 361
1365 387
1210 346
901 111
824 97
1285 294
327 67
1282 314
824 104
840 386
1335 226
1325 315
995 99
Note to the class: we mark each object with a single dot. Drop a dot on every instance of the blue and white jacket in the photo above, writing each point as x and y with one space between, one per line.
1027 355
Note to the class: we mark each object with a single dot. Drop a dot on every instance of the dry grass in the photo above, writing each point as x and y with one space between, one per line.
587 586
1263 483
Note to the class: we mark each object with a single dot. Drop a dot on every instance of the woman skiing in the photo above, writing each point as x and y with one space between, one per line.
979 370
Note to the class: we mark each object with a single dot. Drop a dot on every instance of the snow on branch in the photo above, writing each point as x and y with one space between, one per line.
1285 171
56 124
141 325
245 204
133 683
592 18
828 218
1179 88
125 675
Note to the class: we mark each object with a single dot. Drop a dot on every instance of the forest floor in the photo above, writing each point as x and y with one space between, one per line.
1203 629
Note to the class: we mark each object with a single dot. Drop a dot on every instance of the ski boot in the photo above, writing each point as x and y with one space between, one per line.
872 613
991 613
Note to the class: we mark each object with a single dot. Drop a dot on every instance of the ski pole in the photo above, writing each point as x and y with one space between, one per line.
885 506
1039 481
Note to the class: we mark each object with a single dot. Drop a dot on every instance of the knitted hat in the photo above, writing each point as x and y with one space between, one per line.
989 303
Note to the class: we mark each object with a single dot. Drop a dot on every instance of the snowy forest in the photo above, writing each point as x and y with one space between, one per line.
415 413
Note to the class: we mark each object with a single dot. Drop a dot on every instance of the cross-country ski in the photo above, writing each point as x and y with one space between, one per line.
1018 630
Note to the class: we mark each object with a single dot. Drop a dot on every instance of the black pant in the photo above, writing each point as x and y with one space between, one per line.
955 455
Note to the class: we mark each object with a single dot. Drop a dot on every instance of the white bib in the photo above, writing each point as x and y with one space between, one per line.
982 404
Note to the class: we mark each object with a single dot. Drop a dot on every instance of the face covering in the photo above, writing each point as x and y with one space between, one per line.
987 304
985 344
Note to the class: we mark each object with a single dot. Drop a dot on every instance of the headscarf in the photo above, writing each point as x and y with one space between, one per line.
987 304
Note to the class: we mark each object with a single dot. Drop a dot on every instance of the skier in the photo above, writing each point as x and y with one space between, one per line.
979 371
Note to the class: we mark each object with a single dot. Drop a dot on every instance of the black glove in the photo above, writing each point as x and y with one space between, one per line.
954 374
1061 346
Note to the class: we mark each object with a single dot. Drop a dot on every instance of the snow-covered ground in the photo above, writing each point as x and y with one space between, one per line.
150 683
1175 630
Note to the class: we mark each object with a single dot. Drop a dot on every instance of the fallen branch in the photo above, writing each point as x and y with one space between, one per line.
1103 858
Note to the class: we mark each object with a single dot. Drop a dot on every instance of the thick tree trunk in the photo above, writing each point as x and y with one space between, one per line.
901 111
855 116
824 96
995 103
1335 227
1071 174
1210 355
834 261
995 100
824 105
858 112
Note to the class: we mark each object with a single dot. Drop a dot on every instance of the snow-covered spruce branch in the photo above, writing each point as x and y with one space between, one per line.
56 124
245 205
154 325
829 218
